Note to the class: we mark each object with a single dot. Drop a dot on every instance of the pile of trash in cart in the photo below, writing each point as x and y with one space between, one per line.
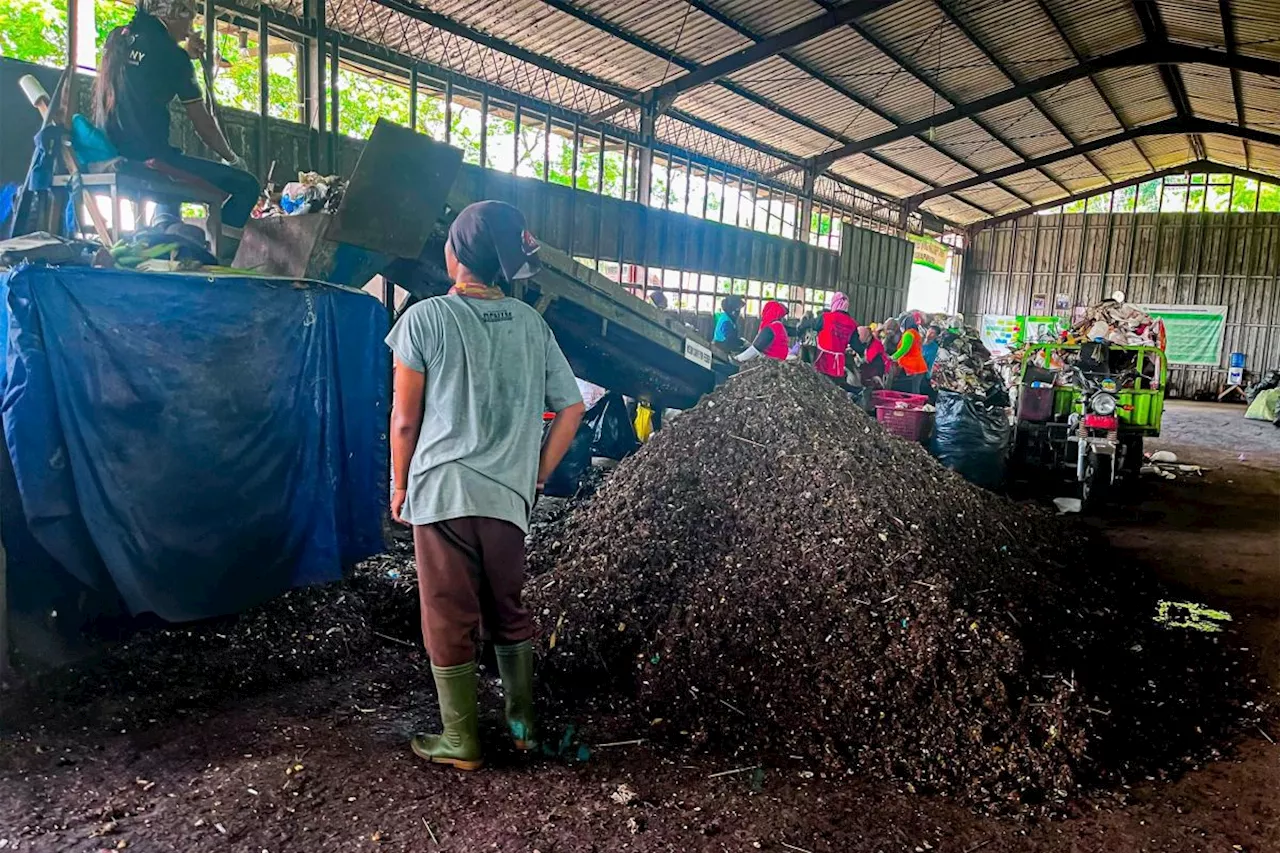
774 575
311 193
1118 323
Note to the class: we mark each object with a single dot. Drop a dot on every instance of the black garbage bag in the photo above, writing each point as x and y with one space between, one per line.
970 438
1266 383
565 480
613 435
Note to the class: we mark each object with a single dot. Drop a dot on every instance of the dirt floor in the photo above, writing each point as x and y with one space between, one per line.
322 763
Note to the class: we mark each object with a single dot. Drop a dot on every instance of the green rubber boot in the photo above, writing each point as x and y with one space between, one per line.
515 666
459 744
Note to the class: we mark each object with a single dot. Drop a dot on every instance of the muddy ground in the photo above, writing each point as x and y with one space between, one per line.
321 763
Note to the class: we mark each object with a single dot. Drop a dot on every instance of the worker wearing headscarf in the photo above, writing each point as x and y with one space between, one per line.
835 330
909 356
772 340
728 331
143 69
468 460
875 361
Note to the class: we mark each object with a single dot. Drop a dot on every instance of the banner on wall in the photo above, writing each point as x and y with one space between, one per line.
1193 333
1003 333
928 252
999 333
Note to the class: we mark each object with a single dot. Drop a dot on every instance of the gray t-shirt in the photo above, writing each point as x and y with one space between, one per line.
492 367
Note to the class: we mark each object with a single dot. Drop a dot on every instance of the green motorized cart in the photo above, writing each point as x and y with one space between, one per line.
1084 411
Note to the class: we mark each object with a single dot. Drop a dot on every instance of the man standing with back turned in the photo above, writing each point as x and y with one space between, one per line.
474 371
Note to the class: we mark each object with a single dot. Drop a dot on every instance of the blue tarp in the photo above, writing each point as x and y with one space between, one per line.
194 445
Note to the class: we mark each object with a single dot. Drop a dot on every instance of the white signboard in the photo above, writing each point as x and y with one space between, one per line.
697 353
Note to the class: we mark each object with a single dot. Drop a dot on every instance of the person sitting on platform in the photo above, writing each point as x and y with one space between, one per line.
143 69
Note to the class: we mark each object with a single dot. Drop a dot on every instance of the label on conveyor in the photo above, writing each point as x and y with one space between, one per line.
697 353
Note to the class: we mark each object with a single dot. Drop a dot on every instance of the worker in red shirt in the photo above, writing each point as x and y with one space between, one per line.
771 341
835 329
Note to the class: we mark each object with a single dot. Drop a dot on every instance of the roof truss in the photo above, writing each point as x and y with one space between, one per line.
1164 54
1195 167
1167 127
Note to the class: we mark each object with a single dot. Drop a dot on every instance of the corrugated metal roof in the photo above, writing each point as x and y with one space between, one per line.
864 170
788 86
1023 125
736 113
1192 21
1138 93
991 197
771 17
1079 106
921 34
1225 149
977 148
1034 186
1122 162
1209 90
1257 27
1166 151
850 60
1261 101
1265 158
1025 36
914 155
954 210
1096 27
1077 174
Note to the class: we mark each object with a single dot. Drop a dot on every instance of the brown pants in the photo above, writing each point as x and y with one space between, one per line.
470 571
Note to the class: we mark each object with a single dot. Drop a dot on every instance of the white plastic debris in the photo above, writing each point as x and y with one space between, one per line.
1067 505
1164 456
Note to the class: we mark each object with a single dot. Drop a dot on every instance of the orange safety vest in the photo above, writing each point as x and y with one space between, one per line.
912 361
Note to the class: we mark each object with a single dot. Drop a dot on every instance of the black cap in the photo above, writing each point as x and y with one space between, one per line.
490 239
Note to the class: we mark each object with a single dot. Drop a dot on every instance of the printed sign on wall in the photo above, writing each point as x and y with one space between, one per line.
1193 333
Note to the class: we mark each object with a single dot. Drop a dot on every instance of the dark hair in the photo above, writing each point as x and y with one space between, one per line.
731 304
110 75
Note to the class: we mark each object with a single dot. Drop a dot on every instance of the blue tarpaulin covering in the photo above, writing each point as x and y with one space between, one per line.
194 445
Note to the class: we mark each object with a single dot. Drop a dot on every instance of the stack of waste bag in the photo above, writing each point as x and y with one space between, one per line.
774 577
971 426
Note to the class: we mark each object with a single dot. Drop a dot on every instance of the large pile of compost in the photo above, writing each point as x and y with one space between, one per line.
773 574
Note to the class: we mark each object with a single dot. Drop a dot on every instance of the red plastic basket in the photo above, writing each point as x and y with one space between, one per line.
897 399
911 424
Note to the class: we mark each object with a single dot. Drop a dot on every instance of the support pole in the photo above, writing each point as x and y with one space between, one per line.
644 169
264 93
413 99
69 87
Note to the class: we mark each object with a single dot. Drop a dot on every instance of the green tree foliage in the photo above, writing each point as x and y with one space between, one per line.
36 30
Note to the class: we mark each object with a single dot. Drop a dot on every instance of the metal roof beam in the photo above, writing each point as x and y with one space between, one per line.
1167 127
1097 87
1186 168
1168 53
742 92
910 67
1237 89
1154 30
741 29
765 48
1195 167
964 28
449 25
